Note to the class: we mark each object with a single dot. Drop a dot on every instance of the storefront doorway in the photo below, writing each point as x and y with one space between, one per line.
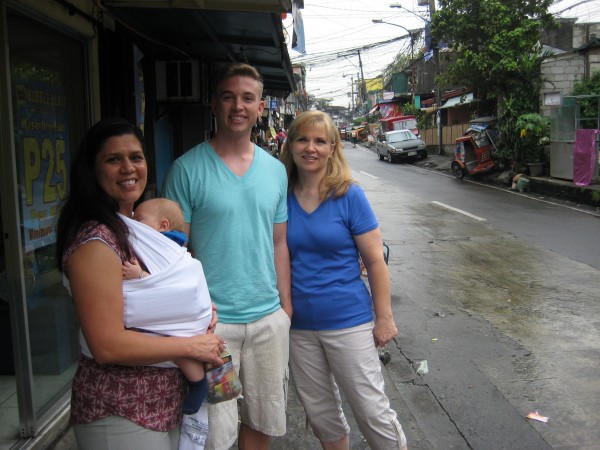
46 119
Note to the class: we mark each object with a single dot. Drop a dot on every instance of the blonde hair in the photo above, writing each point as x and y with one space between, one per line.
338 176
167 209
237 69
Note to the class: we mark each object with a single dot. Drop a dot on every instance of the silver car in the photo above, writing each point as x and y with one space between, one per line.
400 144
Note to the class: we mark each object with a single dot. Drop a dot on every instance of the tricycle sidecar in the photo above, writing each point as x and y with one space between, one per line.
473 154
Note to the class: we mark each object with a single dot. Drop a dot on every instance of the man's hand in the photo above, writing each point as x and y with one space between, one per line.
213 320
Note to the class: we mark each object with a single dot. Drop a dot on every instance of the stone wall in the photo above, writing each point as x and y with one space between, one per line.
562 70
560 73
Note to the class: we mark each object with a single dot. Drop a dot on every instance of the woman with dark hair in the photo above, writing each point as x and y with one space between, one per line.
121 398
337 323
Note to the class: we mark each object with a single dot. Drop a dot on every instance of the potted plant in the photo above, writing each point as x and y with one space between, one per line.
533 130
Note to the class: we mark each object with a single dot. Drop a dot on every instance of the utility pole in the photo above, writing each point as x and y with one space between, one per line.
438 94
352 91
363 83
356 89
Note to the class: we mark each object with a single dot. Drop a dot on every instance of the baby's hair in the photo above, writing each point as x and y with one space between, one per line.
168 209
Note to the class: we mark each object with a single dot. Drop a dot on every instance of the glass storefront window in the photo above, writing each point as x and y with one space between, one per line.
48 107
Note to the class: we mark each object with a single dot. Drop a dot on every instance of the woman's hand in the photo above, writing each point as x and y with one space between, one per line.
207 348
213 320
385 330
371 250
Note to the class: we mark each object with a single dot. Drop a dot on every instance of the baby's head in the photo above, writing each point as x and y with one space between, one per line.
161 214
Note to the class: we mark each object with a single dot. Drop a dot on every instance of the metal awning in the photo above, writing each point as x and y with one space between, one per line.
375 108
394 118
230 31
458 101
430 110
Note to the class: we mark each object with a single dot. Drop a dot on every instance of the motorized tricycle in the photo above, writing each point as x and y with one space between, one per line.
474 150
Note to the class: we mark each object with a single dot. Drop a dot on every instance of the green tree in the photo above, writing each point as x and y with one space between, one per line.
497 54
589 106
496 45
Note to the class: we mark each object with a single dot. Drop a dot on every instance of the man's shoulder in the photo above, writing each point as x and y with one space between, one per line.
196 152
187 168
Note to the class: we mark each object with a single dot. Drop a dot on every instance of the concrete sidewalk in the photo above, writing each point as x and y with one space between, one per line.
545 186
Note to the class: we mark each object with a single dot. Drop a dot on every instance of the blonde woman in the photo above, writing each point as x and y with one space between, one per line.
337 324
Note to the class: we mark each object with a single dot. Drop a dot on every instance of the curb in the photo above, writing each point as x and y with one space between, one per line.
550 187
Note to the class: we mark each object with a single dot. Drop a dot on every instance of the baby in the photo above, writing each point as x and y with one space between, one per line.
165 216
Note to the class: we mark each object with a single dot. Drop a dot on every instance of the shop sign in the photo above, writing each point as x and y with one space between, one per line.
42 140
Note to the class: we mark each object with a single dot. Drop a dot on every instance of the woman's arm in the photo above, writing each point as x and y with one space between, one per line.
282 267
95 275
370 248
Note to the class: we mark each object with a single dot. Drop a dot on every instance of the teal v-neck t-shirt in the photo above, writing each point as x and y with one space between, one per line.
231 221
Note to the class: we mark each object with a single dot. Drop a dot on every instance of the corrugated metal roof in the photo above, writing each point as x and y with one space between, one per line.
217 36
458 101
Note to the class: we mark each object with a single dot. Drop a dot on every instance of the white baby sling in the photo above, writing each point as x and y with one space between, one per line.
173 299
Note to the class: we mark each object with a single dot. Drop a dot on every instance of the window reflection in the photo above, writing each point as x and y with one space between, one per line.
48 104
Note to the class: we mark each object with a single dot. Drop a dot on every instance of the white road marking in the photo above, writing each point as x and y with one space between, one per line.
367 174
451 208
541 198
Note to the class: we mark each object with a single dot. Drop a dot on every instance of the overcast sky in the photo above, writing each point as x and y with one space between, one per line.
335 29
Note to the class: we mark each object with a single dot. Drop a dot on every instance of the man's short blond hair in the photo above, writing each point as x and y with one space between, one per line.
240 70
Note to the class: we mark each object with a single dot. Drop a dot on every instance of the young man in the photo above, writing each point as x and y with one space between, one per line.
233 196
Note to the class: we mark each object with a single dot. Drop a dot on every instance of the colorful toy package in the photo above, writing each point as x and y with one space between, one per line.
223 382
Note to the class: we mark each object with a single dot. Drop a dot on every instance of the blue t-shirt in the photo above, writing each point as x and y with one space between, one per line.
231 227
327 290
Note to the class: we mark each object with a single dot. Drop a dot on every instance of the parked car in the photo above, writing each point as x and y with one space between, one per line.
400 144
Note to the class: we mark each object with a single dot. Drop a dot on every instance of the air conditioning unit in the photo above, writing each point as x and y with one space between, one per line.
177 81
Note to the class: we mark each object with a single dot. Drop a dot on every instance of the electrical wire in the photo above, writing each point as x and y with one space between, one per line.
325 67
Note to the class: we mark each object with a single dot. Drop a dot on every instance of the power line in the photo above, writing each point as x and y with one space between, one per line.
326 56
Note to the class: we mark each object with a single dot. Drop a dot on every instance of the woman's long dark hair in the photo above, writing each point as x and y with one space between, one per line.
86 200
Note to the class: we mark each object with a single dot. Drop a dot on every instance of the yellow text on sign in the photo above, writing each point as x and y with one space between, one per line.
55 158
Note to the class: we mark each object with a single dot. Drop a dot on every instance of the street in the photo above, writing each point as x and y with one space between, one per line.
507 325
